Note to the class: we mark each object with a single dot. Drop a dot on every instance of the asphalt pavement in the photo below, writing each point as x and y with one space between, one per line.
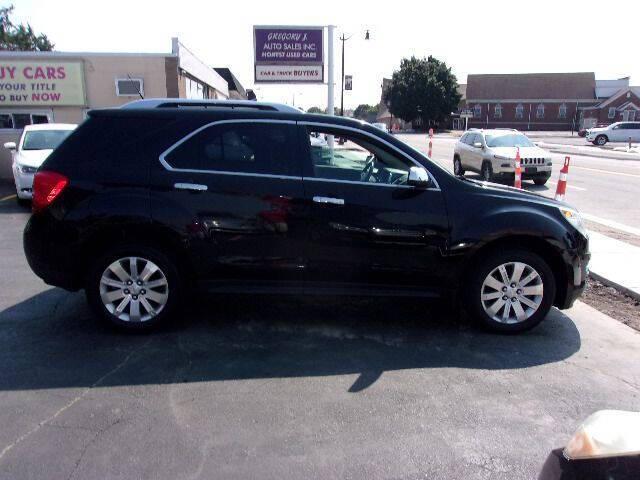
275 388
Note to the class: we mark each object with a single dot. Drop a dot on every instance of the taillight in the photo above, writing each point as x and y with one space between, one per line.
46 188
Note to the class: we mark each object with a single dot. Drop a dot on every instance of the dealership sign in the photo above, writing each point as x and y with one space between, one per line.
288 54
41 83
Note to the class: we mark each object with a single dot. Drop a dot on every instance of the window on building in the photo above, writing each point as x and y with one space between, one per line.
239 147
36 119
540 111
129 87
562 111
477 111
6 121
612 112
21 120
497 111
519 111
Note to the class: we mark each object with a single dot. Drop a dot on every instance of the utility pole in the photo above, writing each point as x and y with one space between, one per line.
343 39
330 100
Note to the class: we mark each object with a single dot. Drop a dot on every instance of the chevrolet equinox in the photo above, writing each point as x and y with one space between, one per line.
143 205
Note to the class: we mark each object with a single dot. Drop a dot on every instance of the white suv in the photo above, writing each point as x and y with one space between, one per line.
492 153
616 132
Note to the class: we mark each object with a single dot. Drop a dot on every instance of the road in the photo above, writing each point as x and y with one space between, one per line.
279 388
603 188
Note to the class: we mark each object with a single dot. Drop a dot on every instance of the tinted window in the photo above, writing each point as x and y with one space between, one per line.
354 158
630 126
239 147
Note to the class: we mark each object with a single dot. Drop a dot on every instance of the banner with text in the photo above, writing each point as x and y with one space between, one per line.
41 83
288 54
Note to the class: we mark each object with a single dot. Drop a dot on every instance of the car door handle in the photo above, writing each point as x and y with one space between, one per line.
196 187
334 201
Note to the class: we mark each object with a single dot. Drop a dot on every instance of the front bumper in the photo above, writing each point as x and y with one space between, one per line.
576 262
24 184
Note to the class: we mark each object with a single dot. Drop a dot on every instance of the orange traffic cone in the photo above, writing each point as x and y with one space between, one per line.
562 182
517 179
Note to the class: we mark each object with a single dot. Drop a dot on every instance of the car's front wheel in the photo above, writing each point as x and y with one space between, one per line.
540 180
486 172
457 166
601 140
133 287
510 290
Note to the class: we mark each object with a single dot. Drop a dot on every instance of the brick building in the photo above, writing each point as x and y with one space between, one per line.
530 101
621 106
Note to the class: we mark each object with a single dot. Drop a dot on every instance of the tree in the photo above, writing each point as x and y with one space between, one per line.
315 110
20 37
366 112
423 89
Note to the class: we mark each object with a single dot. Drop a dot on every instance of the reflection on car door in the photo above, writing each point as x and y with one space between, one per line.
369 229
233 191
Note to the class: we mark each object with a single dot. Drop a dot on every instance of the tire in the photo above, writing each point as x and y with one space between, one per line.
157 297
457 166
540 181
601 140
479 284
23 202
486 172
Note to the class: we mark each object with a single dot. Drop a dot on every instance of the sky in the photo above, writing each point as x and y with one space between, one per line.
471 37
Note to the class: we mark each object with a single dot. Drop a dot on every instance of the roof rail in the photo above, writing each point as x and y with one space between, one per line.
192 103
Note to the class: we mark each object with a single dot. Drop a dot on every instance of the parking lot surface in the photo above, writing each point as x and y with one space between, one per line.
263 387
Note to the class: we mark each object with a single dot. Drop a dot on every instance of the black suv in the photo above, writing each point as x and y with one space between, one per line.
143 205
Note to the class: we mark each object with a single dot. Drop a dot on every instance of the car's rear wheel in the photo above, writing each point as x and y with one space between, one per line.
457 166
486 172
134 287
601 140
510 290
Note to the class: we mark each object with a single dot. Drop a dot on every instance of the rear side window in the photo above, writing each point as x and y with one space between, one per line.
264 148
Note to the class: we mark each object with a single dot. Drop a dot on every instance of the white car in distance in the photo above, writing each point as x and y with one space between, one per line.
616 132
33 148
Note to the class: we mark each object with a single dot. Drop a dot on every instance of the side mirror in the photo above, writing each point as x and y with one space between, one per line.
477 144
418 177
10 145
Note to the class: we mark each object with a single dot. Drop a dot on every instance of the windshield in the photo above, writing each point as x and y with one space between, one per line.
44 139
510 140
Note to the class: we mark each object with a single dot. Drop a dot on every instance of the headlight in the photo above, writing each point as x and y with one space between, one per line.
607 433
26 169
574 218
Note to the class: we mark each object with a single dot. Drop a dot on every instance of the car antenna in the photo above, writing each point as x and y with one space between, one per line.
137 87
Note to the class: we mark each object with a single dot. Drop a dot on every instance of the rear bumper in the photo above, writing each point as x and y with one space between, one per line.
51 254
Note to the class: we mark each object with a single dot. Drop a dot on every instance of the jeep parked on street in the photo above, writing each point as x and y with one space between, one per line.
153 203
492 154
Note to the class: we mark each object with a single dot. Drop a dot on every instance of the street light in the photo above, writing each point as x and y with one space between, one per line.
344 38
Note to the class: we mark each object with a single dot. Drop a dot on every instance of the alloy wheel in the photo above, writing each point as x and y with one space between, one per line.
134 289
512 292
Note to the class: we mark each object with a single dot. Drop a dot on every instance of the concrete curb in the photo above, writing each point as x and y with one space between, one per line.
610 154
617 286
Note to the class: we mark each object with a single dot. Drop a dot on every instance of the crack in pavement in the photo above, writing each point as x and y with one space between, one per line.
71 403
